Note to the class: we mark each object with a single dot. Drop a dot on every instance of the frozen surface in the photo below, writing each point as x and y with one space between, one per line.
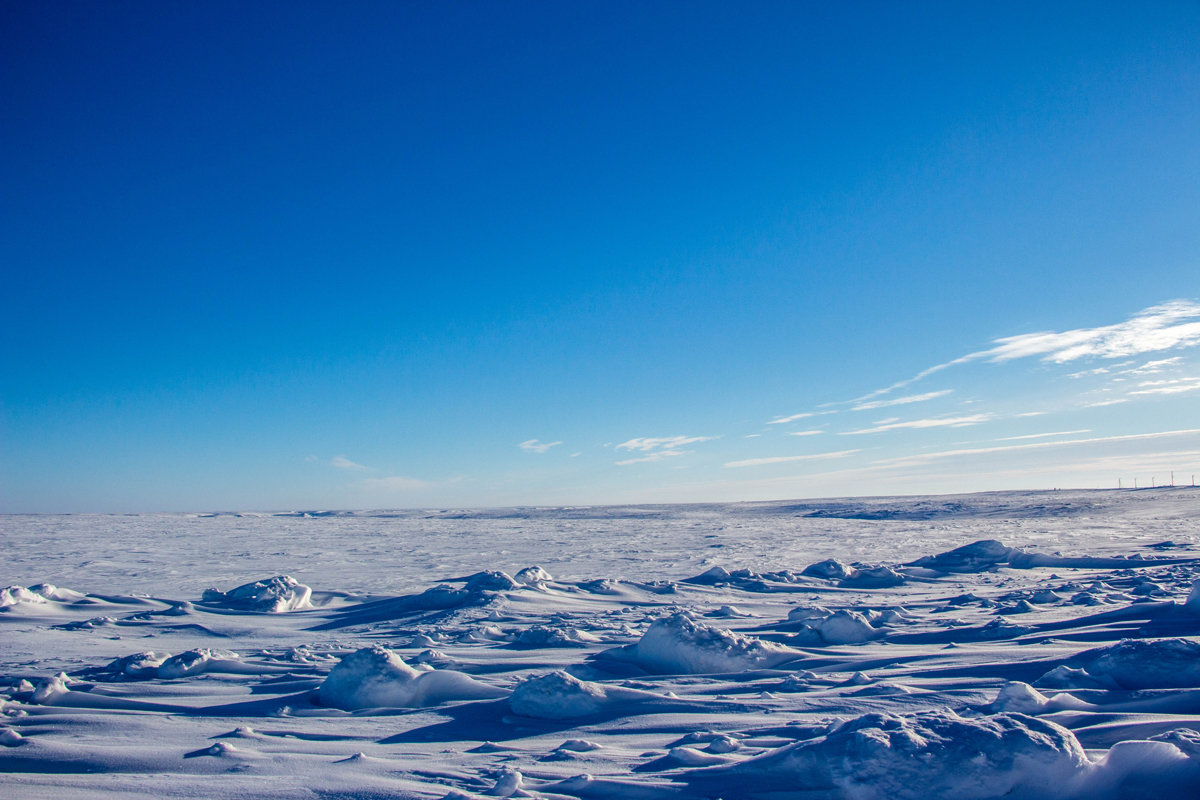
1020 645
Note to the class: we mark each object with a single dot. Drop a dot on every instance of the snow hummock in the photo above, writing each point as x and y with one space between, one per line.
272 595
1131 664
195 662
934 754
830 569
833 627
678 644
558 696
375 677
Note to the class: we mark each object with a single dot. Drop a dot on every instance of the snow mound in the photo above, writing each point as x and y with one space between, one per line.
975 557
1020 698
934 754
837 627
546 636
375 677
12 597
678 644
195 662
830 569
272 595
533 576
1131 664
873 578
558 696
138 666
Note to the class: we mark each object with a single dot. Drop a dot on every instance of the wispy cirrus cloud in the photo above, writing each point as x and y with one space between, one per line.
658 448
901 401
341 462
534 446
804 433
1043 435
794 417
664 442
1168 326
935 422
924 458
1175 386
755 462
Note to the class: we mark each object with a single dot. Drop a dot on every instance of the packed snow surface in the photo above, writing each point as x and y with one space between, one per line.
1026 645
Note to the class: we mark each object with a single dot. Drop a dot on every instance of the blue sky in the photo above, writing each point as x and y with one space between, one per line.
300 255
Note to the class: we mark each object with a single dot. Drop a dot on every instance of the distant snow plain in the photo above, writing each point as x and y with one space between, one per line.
1014 644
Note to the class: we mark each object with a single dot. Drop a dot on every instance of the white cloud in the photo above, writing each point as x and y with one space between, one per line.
1043 435
755 462
938 422
341 462
901 401
794 417
534 446
1163 327
395 483
804 433
1151 367
914 460
1177 386
1102 403
646 445
655 456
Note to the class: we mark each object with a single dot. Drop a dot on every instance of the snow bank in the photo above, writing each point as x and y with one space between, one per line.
272 595
678 644
934 754
375 677
1131 664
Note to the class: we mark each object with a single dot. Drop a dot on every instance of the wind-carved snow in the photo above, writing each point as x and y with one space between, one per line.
1021 645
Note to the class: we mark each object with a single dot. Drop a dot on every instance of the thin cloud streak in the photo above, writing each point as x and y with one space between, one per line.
646 444
755 462
652 457
937 422
534 446
341 462
1042 435
901 401
1167 326
925 458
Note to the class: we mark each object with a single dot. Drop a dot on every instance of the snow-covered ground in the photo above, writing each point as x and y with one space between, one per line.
1016 644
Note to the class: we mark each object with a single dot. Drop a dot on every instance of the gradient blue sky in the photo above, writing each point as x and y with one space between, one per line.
379 254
